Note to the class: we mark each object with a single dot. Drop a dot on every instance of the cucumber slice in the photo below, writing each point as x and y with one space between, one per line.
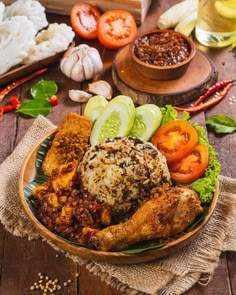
94 107
147 120
116 119
227 9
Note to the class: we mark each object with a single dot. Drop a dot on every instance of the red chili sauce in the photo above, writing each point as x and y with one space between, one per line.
162 48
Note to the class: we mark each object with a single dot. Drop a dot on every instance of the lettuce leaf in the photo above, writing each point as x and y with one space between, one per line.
170 114
206 184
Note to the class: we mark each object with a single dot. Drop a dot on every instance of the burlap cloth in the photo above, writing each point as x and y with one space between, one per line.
170 275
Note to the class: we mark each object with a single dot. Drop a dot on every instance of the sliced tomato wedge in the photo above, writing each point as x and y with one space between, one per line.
84 18
116 28
191 167
176 140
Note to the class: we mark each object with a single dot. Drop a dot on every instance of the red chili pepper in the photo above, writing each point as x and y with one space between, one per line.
15 102
218 97
54 100
213 89
15 84
5 109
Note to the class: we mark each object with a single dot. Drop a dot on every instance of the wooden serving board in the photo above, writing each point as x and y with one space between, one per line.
200 75
138 8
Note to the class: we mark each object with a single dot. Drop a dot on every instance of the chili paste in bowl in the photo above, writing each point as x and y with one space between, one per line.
162 54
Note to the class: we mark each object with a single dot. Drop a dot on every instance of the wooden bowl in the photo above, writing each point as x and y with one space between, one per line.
162 72
28 173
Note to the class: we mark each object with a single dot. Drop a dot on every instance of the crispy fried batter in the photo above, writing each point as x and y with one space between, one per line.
69 144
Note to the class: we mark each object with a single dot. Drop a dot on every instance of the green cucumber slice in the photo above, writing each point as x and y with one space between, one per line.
147 120
94 107
116 119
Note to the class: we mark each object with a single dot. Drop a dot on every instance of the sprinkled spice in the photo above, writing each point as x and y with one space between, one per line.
162 48
50 286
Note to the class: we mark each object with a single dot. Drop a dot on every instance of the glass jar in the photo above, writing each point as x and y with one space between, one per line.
216 23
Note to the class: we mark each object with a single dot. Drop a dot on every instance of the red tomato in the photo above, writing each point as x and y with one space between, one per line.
176 140
191 167
116 28
84 18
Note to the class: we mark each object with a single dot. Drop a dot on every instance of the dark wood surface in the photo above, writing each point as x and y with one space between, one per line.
21 260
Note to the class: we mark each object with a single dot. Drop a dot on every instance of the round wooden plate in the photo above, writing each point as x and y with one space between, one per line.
28 173
200 75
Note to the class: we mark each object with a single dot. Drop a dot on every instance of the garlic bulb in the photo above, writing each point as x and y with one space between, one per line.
81 63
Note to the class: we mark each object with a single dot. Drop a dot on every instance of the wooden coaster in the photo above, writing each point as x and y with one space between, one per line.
200 75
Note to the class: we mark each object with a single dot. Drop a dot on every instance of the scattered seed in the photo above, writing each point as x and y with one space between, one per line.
48 285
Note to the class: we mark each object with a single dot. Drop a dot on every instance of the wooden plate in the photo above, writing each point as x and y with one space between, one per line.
20 71
200 75
28 173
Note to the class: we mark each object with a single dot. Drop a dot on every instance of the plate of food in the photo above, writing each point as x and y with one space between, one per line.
115 197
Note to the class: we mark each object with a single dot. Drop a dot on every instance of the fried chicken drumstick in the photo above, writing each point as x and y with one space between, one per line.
168 212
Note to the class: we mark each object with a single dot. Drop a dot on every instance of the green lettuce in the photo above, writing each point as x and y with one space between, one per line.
206 184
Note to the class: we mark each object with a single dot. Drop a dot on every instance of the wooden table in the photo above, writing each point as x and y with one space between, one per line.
21 260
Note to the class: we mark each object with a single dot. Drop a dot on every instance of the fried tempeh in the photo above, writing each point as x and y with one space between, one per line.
69 144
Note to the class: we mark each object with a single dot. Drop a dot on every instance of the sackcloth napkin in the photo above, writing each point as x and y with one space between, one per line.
174 274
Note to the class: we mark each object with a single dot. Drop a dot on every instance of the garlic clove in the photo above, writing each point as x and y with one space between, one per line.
88 67
79 95
96 59
101 87
77 73
68 61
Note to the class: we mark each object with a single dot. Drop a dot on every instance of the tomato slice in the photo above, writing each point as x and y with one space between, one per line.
116 28
175 139
191 167
84 18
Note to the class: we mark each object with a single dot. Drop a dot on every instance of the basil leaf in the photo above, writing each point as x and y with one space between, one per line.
221 124
34 108
43 89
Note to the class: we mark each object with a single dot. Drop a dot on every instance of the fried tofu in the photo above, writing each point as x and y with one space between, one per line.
69 144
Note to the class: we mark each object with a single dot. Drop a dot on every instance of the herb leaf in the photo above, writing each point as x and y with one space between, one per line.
221 124
35 107
43 89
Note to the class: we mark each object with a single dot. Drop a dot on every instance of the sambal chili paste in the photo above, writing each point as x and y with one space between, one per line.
162 48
